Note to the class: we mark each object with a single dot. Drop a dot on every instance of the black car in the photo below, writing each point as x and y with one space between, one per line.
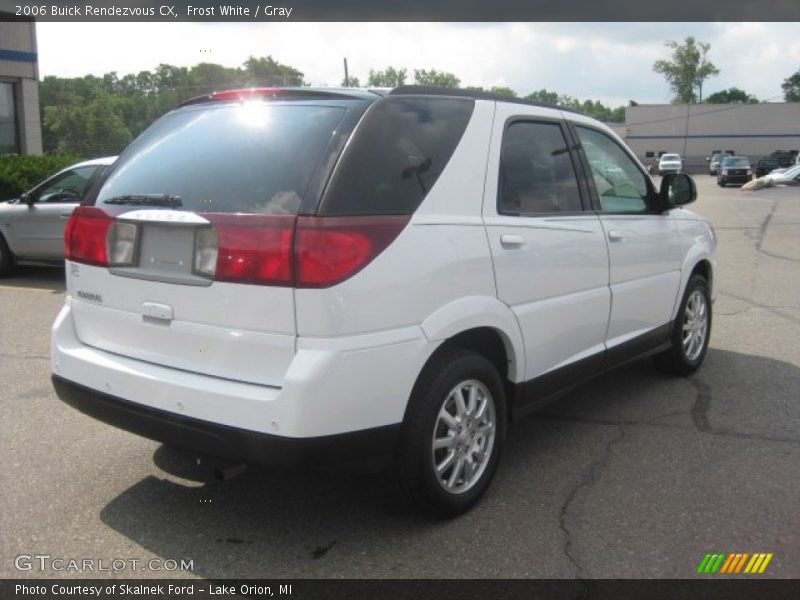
734 169
764 166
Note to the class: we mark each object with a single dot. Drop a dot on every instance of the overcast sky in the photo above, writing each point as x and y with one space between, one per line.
611 62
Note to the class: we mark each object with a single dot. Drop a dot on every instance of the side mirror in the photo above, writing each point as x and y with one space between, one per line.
27 199
677 189
708 159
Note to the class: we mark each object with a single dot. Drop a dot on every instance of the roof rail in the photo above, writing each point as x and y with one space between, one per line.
424 90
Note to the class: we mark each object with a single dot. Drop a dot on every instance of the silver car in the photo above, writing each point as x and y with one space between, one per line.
32 226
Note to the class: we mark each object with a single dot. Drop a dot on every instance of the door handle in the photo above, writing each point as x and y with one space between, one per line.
512 241
615 236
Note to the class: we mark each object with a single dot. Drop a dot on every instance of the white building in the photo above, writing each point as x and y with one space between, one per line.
698 130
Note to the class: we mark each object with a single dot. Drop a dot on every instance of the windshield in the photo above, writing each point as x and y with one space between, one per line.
670 157
251 157
736 161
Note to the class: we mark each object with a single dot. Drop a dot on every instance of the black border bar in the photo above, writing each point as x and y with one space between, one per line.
277 11
412 589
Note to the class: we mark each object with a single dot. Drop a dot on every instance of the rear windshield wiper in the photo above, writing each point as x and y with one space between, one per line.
146 200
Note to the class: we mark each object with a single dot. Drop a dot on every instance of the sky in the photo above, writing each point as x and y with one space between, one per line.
610 62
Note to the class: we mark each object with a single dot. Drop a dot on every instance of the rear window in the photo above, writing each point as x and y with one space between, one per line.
396 154
252 157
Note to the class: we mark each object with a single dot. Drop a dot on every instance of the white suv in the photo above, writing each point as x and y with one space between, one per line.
295 275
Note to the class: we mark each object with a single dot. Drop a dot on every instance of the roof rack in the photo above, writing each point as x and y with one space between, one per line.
424 90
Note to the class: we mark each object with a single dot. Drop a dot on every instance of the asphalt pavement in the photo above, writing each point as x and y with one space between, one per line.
633 475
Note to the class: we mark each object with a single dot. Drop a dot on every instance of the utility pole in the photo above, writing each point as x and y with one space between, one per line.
346 76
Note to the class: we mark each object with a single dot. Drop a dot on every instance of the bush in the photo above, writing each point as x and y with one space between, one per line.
20 173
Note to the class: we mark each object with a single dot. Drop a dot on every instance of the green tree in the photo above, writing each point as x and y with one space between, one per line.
791 87
351 82
388 78
269 72
686 71
436 78
731 95
544 96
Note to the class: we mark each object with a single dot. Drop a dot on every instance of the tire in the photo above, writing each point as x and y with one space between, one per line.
6 258
684 358
450 374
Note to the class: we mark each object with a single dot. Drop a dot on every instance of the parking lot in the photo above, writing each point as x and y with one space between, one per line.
633 475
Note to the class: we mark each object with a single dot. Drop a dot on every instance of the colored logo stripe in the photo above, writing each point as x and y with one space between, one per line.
734 563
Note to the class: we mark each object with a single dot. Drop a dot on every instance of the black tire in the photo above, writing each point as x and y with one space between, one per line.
433 391
675 360
6 258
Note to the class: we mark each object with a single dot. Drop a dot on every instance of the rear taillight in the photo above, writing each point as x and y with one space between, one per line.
304 252
121 241
85 236
328 250
250 248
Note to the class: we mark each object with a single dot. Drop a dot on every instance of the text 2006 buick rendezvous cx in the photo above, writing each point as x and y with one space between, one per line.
291 275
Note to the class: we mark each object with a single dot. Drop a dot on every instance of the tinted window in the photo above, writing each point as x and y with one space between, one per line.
252 157
8 120
536 172
397 153
620 185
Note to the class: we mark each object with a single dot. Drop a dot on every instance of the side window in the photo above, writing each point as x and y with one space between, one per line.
69 187
621 186
536 172
396 155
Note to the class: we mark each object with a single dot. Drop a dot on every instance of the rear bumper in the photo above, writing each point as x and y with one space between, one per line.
376 444
334 403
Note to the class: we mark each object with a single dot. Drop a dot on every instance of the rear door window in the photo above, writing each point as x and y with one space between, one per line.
396 154
536 171
250 157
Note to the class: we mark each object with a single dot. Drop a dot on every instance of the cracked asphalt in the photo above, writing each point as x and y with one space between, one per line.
632 475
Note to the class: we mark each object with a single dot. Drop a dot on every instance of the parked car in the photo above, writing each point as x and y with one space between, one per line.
32 226
764 166
734 169
306 275
789 176
670 163
713 164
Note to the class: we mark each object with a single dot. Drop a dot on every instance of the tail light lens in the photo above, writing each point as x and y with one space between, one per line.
85 236
328 250
121 244
206 250
250 248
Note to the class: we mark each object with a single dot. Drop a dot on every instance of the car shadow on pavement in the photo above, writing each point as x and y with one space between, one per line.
36 277
340 523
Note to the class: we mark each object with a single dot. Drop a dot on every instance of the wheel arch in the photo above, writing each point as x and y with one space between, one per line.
484 325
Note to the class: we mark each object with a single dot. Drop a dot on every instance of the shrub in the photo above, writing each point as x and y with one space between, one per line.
20 173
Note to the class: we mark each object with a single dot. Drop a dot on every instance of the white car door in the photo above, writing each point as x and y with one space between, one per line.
643 245
549 253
